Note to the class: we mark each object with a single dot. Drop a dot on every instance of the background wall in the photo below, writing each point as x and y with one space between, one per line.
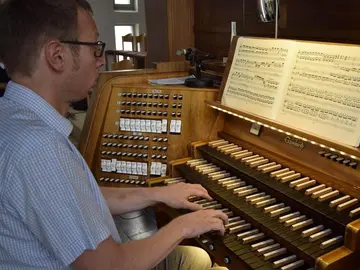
106 19
321 20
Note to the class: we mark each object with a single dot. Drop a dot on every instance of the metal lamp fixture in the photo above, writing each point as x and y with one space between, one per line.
269 12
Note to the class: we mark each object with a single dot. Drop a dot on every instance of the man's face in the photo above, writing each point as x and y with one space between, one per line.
85 66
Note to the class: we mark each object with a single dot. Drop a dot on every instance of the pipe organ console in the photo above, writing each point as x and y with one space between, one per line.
292 196
134 128
281 216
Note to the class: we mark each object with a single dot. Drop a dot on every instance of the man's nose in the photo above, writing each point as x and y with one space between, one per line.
101 61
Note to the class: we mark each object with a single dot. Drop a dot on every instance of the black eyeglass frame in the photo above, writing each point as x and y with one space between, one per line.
97 43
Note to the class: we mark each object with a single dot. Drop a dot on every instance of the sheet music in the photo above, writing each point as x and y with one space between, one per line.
323 93
257 75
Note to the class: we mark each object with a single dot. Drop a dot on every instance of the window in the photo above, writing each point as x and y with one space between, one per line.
125 5
120 31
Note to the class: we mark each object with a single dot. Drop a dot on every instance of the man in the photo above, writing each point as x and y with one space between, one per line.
52 214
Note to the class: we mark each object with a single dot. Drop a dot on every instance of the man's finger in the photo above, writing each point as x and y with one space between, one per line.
201 193
220 214
192 206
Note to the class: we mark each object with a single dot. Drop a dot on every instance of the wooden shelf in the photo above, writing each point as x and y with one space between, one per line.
353 152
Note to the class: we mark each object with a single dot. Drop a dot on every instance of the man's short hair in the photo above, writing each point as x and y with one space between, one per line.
25 26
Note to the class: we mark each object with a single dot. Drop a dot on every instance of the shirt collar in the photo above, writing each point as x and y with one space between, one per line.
29 99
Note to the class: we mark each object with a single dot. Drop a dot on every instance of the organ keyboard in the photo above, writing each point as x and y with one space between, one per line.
279 218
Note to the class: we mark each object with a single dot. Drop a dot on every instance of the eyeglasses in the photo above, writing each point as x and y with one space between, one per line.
100 46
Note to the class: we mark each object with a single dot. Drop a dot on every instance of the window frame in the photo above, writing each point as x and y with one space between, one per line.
132 7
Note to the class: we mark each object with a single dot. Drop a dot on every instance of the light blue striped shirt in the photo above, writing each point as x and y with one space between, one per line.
51 208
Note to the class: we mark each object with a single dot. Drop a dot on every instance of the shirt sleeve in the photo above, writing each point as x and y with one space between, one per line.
56 200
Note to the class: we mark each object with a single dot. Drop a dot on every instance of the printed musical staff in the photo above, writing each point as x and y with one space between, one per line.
323 91
255 75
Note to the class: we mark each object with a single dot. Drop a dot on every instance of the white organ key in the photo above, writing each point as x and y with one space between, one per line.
242 189
254 196
242 155
262 244
224 183
311 231
284 261
253 238
232 150
216 173
324 191
226 179
220 143
294 220
347 204
225 146
265 203
219 176
281 175
289 216
235 185
331 242
256 200
301 224
293 265
328 196
253 160
248 158
339 201
210 170
235 223
247 192
214 143
246 234
258 163
264 166
275 173
239 228
233 219
299 181
271 168
280 211
194 161
267 249
273 207
290 178
305 185
319 235
355 212
314 189
274 254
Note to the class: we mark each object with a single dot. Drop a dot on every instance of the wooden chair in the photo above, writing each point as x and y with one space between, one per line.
141 43
129 38
122 65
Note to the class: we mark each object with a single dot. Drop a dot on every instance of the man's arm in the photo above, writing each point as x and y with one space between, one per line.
124 200
147 253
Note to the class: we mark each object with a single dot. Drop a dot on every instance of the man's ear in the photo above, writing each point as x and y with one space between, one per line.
55 55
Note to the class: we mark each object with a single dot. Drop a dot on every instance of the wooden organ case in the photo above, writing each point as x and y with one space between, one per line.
133 128
292 197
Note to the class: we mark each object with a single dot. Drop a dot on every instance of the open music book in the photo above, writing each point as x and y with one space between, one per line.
310 86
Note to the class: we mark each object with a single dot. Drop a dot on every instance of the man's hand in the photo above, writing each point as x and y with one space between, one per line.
202 221
177 195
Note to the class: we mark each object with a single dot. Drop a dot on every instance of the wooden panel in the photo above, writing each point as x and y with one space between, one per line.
321 20
157 31
180 26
